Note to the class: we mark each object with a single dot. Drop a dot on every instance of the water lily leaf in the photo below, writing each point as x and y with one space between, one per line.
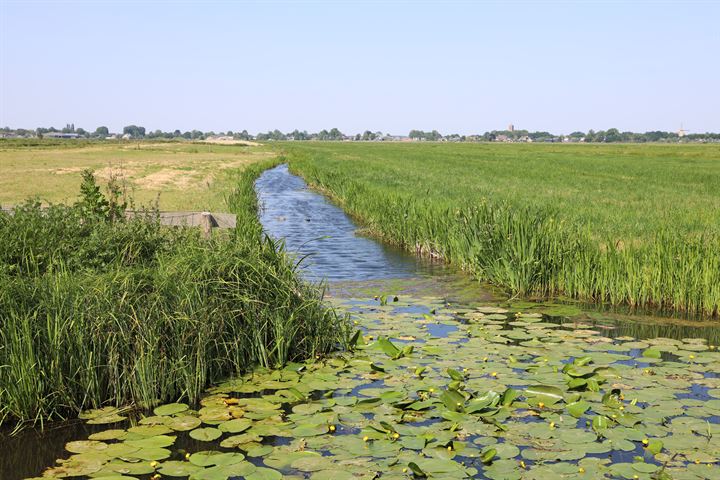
115 418
611 399
487 455
115 477
509 396
150 430
83 446
623 445
654 446
206 434
388 347
582 361
377 368
576 409
170 409
626 419
239 440
548 394
488 399
310 430
332 474
576 436
212 457
183 423
151 453
652 353
112 434
600 422
644 467
223 472
453 400
417 471
158 441
297 393
237 425
260 451
263 473
98 412
174 468
311 463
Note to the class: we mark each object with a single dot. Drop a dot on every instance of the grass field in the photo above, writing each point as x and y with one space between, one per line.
182 176
624 224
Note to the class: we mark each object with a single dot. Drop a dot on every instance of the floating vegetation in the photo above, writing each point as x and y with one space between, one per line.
498 393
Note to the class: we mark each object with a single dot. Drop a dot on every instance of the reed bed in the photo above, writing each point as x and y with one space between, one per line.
487 209
95 313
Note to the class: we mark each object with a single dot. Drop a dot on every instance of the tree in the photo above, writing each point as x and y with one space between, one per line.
335 134
102 131
368 135
134 131
613 135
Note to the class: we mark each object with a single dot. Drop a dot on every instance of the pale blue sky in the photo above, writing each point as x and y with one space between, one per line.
455 66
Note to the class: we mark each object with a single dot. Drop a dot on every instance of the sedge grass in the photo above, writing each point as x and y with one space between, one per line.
134 313
624 225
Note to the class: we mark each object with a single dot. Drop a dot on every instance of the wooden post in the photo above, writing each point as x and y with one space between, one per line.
206 222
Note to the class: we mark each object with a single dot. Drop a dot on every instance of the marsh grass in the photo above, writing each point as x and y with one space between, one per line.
93 313
481 208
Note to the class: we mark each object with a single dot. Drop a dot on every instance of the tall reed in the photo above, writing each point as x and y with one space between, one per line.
93 313
528 249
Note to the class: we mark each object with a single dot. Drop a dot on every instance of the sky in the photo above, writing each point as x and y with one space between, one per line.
454 66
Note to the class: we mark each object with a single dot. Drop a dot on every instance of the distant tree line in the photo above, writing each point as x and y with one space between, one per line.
611 135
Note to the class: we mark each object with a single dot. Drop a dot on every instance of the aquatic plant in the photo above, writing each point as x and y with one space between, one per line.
497 393
539 220
94 312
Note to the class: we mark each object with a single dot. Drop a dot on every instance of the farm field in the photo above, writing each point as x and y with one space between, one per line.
180 176
623 224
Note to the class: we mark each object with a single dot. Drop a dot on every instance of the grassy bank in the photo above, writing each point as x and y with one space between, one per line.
95 312
627 224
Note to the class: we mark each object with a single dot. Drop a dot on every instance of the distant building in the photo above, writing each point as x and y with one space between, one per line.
511 128
60 135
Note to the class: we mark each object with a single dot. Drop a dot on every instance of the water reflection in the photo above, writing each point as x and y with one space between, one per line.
314 228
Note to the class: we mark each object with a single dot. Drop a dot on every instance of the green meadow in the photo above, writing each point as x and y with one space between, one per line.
618 224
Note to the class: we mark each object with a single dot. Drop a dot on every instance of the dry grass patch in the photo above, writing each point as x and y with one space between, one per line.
180 175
